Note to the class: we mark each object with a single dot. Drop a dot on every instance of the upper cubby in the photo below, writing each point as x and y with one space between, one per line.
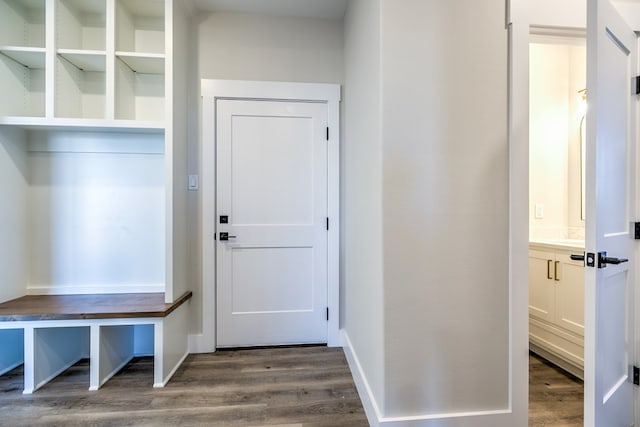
81 24
22 57
22 23
140 26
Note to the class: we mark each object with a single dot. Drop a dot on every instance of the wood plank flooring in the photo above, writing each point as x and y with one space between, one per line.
555 397
284 387
292 387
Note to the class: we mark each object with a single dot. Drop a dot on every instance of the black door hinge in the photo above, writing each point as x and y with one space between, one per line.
327 314
637 85
636 375
327 223
327 133
636 230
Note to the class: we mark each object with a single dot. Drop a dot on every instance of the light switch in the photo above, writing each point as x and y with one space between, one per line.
539 210
193 182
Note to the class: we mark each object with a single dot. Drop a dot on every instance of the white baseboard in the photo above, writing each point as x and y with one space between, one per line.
369 403
94 289
491 418
199 343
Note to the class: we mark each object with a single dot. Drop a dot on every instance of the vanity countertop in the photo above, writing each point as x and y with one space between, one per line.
562 243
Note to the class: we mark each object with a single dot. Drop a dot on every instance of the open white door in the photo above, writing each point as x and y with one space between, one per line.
610 209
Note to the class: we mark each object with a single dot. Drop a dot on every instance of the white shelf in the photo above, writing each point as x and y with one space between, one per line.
30 57
85 60
22 23
149 63
82 125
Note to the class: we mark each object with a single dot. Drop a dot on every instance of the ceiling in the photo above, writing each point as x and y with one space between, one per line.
330 9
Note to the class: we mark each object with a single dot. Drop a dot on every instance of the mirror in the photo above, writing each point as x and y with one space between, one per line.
583 149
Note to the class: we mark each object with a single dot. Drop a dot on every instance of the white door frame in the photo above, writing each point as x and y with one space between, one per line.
211 91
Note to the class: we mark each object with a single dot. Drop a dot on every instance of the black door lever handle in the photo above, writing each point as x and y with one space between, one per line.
616 261
603 260
577 257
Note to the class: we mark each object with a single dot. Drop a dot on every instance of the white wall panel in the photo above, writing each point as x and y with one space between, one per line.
446 211
361 197
96 215
14 227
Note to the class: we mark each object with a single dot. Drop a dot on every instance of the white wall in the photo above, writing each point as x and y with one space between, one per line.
554 13
238 46
630 11
362 192
557 73
254 47
96 204
13 213
445 207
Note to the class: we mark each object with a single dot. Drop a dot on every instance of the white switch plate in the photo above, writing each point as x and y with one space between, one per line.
193 182
539 210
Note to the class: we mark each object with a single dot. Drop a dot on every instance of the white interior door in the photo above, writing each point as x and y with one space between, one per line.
610 174
272 204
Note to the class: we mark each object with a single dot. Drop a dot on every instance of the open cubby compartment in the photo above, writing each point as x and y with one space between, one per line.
139 95
22 83
81 24
97 212
51 351
11 350
80 85
140 26
22 23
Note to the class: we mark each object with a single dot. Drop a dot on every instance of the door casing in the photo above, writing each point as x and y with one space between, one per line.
211 91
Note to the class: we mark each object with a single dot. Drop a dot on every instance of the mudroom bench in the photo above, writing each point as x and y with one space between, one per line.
50 333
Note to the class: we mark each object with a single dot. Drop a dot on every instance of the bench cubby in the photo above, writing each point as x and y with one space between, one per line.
54 332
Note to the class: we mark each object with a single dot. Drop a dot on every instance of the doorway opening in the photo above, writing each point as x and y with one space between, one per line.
557 115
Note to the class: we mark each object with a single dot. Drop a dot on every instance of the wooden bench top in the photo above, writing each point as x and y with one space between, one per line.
92 306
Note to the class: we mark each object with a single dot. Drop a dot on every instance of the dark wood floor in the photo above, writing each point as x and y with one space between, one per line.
285 387
292 387
555 397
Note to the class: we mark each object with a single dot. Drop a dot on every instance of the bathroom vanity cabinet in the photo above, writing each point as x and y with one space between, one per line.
556 304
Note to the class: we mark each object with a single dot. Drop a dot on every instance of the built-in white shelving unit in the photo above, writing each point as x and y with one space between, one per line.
95 93
93 174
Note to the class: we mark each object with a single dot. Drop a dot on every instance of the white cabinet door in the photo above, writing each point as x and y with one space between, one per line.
272 203
570 294
541 285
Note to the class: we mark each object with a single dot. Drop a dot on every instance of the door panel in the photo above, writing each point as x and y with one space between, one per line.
271 196
272 189
610 201
284 270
